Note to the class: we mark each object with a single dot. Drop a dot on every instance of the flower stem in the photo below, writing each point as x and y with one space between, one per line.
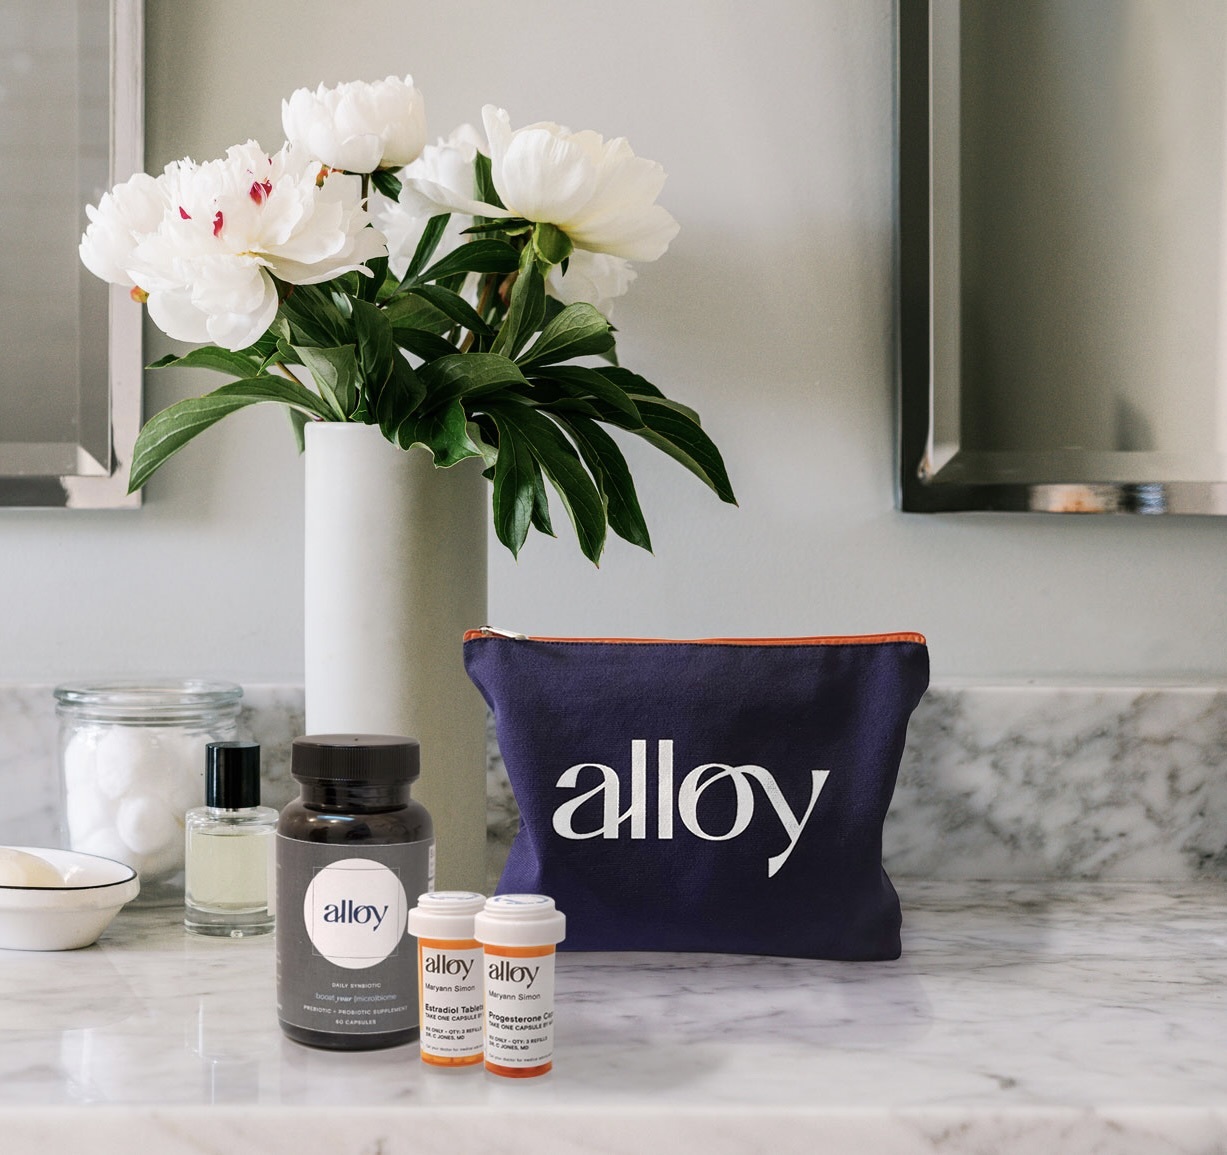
286 372
483 303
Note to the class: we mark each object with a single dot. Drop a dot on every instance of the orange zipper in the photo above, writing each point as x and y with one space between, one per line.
852 640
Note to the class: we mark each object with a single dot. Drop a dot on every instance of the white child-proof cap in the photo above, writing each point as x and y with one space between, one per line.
446 914
520 920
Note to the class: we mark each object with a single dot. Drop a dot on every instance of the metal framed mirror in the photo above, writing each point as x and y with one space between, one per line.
1062 245
72 90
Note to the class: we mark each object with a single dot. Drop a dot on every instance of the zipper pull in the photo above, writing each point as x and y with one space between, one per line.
491 632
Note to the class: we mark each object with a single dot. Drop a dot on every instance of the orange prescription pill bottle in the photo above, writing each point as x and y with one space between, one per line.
519 933
449 977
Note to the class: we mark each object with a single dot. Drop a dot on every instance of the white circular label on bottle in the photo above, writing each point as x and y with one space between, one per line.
356 912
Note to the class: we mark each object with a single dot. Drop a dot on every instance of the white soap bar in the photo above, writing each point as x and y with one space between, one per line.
17 868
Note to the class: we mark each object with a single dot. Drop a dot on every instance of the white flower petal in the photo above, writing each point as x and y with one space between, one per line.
359 126
236 329
173 312
124 216
600 194
545 177
595 278
446 200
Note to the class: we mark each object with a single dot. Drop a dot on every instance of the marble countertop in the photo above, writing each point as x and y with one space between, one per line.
1071 1017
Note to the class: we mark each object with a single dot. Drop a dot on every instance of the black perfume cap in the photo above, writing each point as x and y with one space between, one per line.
232 775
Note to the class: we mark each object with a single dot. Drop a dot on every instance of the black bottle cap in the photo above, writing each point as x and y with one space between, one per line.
374 758
232 775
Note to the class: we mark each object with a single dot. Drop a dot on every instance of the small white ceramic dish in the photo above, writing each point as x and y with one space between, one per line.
69 916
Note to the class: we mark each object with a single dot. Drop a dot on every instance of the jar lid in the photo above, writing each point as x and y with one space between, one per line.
148 700
374 758
446 914
520 920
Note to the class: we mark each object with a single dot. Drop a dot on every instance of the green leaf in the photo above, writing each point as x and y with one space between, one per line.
676 406
508 226
368 287
397 402
613 477
376 346
262 347
387 182
416 313
445 433
453 304
422 343
315 318
211 357
298 422
580 381
630 382
541 504
514 488
480 256
578 331
287 354
553 246
561 465
281 330
432 234
525 311
683 439
170 430
483 180
467 375
335 371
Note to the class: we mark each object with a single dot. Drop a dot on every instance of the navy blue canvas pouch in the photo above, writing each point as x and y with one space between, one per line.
723 796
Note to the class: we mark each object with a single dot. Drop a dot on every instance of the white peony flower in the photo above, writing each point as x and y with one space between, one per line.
129 211
358 127
447 164
598 192
594 278
226 228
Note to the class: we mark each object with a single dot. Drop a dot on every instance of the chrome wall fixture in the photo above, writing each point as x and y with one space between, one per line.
72 87
1062 255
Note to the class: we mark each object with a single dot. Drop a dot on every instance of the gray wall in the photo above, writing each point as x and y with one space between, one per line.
771 313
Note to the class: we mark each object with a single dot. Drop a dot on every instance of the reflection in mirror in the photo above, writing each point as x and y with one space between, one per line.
1063 183
71 112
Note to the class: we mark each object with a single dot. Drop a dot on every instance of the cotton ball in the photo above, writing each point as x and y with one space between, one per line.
164 862
182 757
86 807
87 811
124 758
80 761
19 868
108 844
146 825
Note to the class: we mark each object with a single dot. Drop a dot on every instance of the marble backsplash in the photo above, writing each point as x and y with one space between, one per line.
1007 782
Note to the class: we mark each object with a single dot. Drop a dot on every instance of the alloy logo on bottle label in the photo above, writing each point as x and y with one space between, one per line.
505 972
438 963
685 804
355 912
349 911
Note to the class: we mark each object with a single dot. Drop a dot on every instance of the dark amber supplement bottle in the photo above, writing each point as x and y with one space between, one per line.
353 851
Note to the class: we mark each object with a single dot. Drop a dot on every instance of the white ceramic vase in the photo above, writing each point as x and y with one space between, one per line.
395 572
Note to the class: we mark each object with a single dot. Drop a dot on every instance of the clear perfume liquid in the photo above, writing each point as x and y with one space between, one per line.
229 875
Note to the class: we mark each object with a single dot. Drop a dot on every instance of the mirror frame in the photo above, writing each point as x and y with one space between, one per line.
939 479
101 482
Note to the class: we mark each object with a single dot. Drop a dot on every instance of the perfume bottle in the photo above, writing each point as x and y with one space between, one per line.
229 847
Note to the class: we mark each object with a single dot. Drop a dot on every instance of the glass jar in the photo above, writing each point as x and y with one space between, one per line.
132 762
